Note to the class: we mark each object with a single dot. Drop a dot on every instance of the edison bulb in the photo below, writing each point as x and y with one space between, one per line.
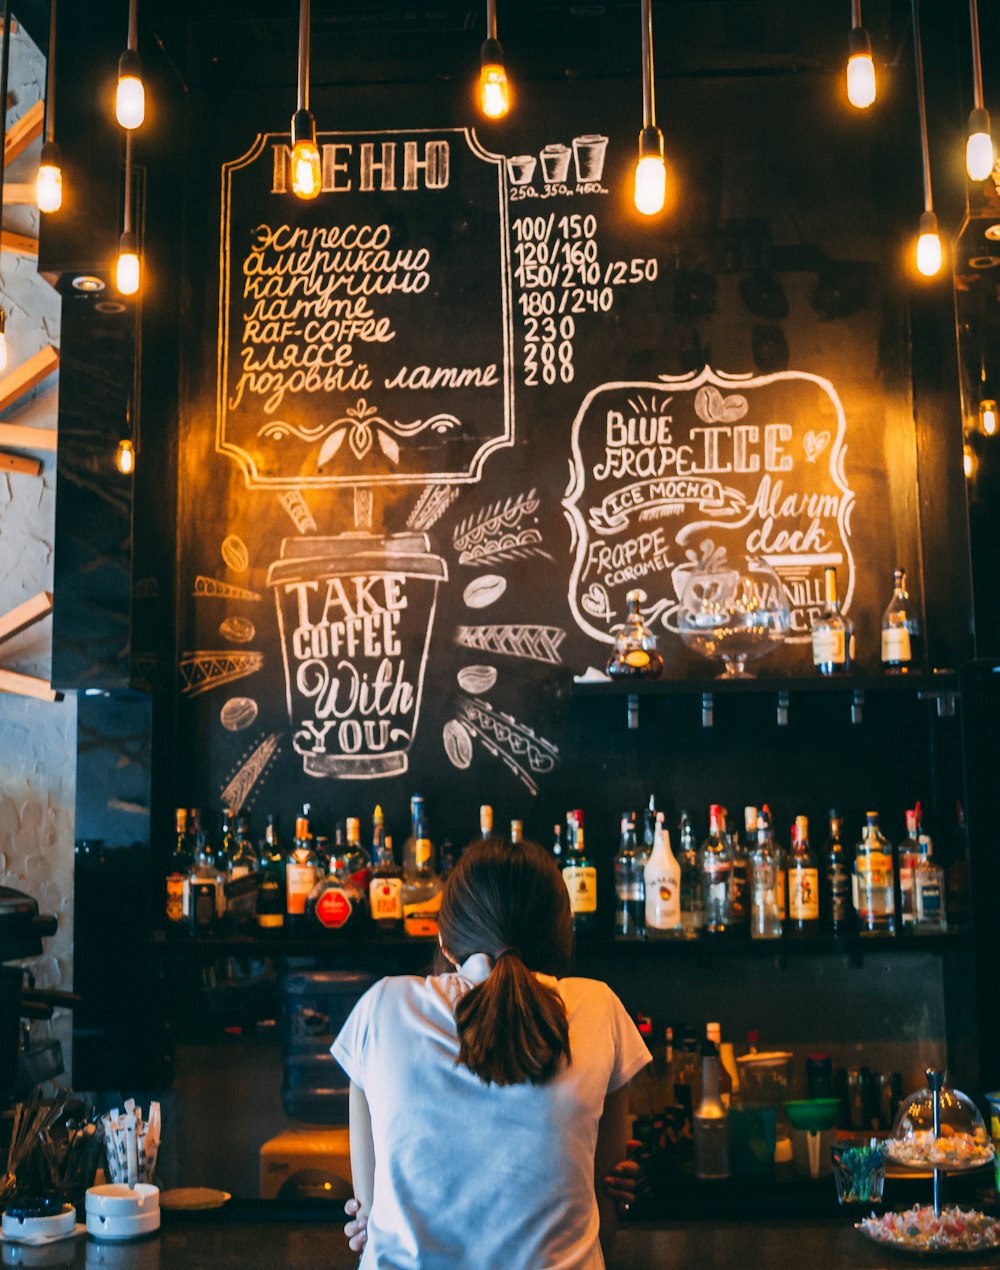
130 101
494 91
968 461
861 80
650 185
48 187
125 458
979 156
307 176
127 272
988 417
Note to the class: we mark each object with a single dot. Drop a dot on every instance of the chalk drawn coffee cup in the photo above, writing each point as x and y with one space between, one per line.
521 168
555 163
355 614
588 156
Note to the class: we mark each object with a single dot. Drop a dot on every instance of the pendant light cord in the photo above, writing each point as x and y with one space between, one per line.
303 94
133 25
128 182
648 105
491 19
4 74
977 58
855 14
50 77
925 153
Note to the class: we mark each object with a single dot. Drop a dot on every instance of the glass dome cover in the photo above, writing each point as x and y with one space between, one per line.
963 1141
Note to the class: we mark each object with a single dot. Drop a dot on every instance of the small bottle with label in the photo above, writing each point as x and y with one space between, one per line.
242 869
900 629
271 891
803 884
716 861
832 632
227 840
385 893
178 871
740 886
835 893
357 861
692 893
206 900
421 891
874 890
907 859
634 655
336 904
301 873
580 876
662 887
710 1121
928 892
630 896
767 880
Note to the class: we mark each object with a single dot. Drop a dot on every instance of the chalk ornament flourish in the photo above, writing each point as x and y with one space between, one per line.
361 426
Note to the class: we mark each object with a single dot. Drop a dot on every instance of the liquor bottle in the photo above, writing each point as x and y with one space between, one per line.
874 891
803 884
648 829
421 891
716 862
301 873
832 632
713 1033
356 859
580 876
227 840
740 896
485 821
928 890
178 871
449 858
336 903
766 883
687 1077
779 855
835 894
634 655
409 859
630 895
242 869
271 891
710 1121
900 628
907 858
692 894
206 901
516 832
557 846
385 893
662 887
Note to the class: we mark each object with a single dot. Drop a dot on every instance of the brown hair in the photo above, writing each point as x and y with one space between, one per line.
510 902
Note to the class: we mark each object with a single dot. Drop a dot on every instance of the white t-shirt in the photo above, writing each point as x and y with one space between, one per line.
470 1176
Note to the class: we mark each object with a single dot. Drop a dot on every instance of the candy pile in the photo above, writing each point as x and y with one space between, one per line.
950 1151
919 1230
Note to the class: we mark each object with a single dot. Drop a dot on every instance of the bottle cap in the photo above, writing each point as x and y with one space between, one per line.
377 816
802 826
714 1032
645 1024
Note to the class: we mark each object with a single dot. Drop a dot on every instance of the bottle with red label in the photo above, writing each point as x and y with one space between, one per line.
385 892
336 903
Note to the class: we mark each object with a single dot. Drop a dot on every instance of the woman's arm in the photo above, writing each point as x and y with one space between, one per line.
362 1149
612 1135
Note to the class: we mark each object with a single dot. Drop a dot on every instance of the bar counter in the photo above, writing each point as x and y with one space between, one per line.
205 1244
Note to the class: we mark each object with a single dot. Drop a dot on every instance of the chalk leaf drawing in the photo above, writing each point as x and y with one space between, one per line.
432 504
238 713
712 407
235 794
212 589
235 554
238 630
814 443
528 756
484 591
495 532
457 744
302 518
201 671
477 679
360 426
535 643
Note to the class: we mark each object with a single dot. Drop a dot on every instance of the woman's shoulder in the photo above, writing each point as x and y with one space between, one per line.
593 992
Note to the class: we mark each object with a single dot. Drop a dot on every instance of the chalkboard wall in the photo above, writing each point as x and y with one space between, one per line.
439 420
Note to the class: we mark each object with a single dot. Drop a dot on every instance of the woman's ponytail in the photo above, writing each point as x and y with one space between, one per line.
510 902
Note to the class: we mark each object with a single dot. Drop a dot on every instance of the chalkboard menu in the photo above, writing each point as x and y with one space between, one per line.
466 399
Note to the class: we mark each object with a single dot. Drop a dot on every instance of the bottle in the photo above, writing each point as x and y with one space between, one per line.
271 890
766 882
421 891
242 869
803 884
648 829
557 846
740 897
580 876
874 891
336 903
385 892
716 862
779 855
206 900
686 1075
907 858
227 841
409 860
178 872
485 821
662 887
634 655
516 832
692 895
711 1121
301 874
832 632
713 1033
630 895
835 894
356 859
928 885
900 628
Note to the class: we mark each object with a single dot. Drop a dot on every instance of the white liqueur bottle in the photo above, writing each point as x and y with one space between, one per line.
662 875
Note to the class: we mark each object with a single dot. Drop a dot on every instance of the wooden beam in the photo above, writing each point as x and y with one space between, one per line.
20 244
22 438
18 463
25 615
28 375
21 134
27 686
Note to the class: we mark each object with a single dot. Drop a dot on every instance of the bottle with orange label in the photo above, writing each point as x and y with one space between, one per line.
301 873
421 890
385 892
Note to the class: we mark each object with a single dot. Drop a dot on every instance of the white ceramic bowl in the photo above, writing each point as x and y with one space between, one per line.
120 1200
115 1227
31 1227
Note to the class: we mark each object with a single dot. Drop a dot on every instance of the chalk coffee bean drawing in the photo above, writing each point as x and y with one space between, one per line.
814 443
235 554
477 679
484 590
238 713
457 743
239 630
712 407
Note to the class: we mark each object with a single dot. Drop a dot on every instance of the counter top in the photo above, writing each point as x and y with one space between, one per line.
201 1244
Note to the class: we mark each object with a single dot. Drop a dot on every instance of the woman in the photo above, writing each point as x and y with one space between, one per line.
486 1102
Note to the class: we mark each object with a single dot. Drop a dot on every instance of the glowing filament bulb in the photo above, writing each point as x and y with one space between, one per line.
125 458
130 97
988 418
968 461
127 266
494 91
306 172
861 80
928 246
48 182
979 147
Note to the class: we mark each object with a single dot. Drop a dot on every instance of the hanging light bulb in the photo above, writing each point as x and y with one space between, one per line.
125 457
860 67
989 420
127 265
49 182
650 171
306 171
130 97
3 340
928 246
979 147
494 90
968 461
